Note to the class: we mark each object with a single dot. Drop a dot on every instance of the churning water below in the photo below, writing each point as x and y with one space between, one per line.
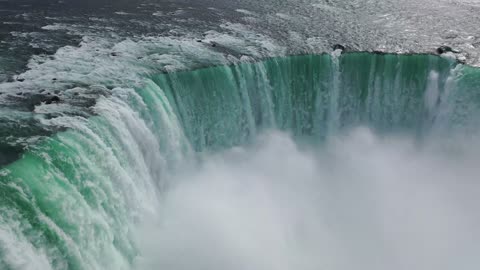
359 202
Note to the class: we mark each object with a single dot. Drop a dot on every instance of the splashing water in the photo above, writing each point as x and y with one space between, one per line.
304 162
361 201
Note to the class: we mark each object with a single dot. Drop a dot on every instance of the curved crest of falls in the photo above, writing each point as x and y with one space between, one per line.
229 136
157 158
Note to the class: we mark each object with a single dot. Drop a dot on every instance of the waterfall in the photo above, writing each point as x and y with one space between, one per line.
74 200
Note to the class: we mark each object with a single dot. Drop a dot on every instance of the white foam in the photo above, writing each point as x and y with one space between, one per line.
19 253
124 62
362 202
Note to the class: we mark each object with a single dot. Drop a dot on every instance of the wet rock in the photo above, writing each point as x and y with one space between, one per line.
445 49
54 99
338 47
213 44
379 52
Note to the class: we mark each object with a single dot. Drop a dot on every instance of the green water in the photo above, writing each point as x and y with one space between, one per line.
73 200
310 95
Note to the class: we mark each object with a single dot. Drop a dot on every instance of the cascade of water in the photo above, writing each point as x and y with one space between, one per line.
75 199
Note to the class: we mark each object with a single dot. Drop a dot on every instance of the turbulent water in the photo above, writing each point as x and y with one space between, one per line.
149 182
211 135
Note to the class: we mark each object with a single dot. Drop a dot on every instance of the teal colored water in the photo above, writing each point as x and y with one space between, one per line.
317 95
74 200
